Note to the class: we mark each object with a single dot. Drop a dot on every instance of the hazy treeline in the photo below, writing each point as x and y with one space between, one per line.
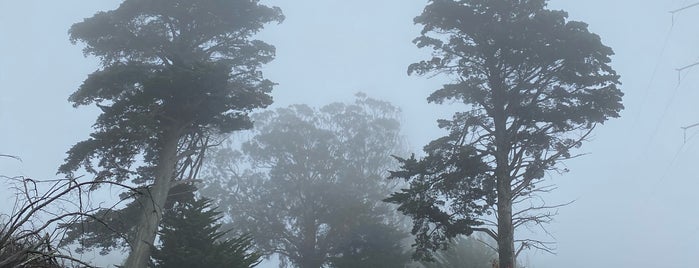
209 176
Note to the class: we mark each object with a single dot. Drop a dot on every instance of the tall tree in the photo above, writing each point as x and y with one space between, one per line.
191 237
534 84
173 71
308 184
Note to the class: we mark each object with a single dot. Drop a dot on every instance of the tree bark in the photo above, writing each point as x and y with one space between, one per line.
153 203
506 246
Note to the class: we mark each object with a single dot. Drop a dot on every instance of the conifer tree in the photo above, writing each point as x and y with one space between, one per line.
534 85
191 237
172 73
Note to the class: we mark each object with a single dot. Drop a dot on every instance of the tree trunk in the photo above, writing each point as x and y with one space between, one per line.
153 203
310 257
506 245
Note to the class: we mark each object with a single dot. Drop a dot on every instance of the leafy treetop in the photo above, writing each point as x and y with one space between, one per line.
169 67
534 85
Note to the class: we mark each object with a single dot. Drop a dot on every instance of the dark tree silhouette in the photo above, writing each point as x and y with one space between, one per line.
535 85
173 72
191 236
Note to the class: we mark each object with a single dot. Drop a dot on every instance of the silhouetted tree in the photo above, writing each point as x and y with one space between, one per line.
173 72
191 237
534 84
308 184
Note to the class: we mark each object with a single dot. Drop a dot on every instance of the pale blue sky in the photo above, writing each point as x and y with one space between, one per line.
635 192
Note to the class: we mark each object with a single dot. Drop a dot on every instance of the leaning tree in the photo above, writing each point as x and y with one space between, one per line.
534 85
172 73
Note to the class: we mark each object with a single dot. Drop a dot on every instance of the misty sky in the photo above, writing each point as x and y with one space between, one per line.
635 190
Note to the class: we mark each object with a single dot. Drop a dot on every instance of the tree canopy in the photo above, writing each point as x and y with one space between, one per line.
308 184
173 72
167 66
534 85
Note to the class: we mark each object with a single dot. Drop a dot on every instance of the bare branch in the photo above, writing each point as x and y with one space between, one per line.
487 231
31 217
11 156
683 8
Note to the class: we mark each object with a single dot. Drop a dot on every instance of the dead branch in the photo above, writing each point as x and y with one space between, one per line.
38 211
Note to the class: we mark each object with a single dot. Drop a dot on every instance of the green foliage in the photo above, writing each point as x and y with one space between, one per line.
190 237
180 66
172 72
308 184
535 85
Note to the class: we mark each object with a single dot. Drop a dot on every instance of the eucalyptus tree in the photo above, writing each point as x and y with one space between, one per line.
534 85
309 182
172 73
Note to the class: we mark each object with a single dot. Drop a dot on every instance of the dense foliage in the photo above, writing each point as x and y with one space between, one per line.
172 73
191 237
308 184
534 83
167 66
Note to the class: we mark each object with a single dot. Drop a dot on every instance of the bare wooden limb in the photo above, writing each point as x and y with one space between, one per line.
687 67
11 156
43 211
683 8
487 231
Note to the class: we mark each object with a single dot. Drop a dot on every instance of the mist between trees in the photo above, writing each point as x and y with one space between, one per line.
211 178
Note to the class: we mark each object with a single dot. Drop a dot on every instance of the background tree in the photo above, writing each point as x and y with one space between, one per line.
191 237
371 244
534 84
463 252
308 184
173 72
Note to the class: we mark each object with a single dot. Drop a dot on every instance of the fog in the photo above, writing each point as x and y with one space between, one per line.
634 190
